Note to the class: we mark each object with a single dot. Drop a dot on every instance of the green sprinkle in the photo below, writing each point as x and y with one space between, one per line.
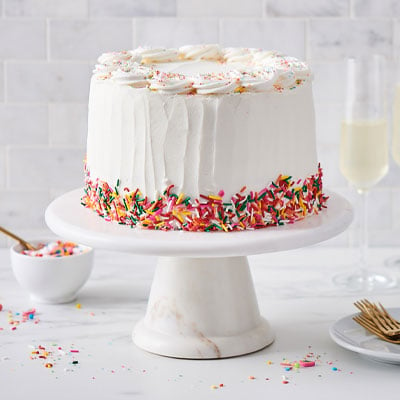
262 195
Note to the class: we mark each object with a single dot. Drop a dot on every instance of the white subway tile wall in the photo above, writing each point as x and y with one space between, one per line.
3 165
220 8
85 39
68 124
45 8
16 130
47 81
333 38
132 8
173 32
373 8
287 35
307 8
2 69
22 39
45 167
48 48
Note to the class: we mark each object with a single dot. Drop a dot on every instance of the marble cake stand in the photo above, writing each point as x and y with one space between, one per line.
202 302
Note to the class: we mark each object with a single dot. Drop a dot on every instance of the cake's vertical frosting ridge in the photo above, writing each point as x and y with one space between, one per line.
246 139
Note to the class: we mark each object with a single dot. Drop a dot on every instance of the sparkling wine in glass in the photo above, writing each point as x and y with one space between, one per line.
396 125
395 261
364 156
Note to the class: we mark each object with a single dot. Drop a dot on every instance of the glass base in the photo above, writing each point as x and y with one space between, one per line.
393 262
365 280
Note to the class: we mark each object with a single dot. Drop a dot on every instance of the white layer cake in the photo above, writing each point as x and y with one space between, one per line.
204 119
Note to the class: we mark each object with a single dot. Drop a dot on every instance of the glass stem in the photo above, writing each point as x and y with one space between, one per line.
363 232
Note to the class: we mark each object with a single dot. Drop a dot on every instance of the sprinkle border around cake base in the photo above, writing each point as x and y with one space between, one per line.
284 201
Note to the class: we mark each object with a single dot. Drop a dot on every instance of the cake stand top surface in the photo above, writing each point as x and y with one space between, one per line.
69 219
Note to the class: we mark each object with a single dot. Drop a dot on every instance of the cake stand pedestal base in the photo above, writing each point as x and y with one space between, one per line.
202 308
202 302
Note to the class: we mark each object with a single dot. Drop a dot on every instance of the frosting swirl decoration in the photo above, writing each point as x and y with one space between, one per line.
173 71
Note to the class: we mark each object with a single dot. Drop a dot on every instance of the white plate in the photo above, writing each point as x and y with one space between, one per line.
348 334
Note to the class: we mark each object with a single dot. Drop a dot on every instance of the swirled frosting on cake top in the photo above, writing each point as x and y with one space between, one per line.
203 69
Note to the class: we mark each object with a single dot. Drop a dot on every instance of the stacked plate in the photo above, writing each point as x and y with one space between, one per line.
348 334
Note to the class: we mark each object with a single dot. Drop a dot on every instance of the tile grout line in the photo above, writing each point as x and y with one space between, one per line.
264 10
47 39
134 44
351 9
5 83
7 160
48 125
306 39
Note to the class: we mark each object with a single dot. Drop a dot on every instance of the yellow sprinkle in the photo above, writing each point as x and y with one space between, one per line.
180 198
269 362
214 387
177 216
150 209
214 197
78 305
240 89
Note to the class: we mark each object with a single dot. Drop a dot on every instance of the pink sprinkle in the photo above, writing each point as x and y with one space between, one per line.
307 363
74 351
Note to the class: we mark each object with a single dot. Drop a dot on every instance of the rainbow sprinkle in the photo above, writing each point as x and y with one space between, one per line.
55 249
282 202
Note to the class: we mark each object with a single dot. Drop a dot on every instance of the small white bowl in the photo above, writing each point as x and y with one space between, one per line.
51 280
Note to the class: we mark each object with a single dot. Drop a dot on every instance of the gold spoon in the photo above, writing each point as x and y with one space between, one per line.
23 242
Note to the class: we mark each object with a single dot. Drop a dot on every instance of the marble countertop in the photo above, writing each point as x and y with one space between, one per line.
295 294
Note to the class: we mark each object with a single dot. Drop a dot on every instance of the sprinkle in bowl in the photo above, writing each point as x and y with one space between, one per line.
54 273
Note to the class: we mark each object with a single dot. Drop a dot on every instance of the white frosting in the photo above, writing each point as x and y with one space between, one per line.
201 52
205 69
201 144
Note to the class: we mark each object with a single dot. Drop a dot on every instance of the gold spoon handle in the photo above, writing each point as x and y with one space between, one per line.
17 238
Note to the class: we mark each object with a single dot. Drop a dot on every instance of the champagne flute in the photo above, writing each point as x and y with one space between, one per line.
364 155
395 261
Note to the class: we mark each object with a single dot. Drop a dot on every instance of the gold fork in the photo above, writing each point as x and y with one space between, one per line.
365 323
380 317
